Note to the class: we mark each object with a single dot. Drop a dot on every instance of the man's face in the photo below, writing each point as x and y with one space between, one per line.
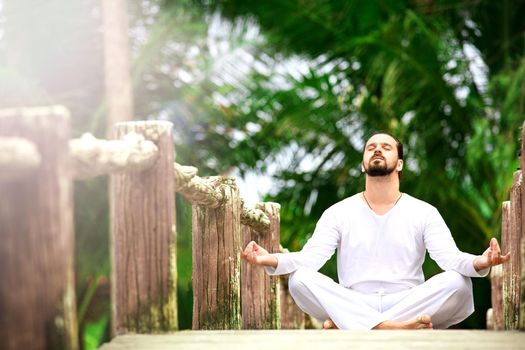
380 157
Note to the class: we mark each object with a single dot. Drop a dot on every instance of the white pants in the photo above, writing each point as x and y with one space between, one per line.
446 297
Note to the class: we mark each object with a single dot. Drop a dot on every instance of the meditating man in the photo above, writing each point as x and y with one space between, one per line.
381 236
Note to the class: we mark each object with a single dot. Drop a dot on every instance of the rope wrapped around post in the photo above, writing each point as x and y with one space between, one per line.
93 157
200 191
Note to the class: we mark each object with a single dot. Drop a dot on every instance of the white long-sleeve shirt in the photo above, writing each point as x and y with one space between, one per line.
379 253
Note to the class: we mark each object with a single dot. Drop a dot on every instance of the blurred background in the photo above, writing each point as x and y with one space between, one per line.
282 95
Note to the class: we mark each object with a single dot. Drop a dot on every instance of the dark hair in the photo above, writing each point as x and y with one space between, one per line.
399 145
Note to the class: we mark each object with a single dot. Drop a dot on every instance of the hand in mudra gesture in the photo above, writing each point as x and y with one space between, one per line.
491 257
257 255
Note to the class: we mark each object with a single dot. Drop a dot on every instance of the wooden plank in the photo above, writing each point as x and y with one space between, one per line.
260 292
319 339
216 243
144 274
37 292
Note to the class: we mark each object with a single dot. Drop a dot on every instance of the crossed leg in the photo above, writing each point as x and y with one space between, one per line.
442 301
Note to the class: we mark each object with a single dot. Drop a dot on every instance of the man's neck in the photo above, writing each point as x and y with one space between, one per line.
382 190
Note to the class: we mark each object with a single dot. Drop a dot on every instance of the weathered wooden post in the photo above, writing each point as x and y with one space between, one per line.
512 269
496 321
216 259
496 274
144 274
37 293
521 242
291 316
260 292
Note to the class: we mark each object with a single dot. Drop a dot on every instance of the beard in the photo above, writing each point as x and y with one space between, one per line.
379 169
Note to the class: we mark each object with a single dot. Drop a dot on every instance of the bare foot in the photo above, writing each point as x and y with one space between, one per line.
329 324
421 322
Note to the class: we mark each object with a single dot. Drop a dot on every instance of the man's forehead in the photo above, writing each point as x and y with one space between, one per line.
381 138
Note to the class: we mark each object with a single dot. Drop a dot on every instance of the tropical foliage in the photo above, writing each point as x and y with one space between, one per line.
446 76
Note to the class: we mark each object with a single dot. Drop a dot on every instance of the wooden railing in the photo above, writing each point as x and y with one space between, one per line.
38 163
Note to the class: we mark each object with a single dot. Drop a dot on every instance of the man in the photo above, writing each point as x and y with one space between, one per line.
381 236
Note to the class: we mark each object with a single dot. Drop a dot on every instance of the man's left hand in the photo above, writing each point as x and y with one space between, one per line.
491 257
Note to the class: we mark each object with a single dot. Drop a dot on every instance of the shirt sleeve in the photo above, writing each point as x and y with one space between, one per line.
317 250
442 248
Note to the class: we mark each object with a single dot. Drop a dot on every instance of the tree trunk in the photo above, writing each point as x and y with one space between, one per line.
260 292
144 274
119 87
216 260
37 293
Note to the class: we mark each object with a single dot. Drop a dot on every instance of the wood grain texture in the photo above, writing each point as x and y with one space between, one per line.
506 246
37 295
496 281
144 274
320 339
216 260
292 317
512 269
521 243
260 292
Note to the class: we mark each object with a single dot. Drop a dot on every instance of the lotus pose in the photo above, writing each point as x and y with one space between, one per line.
381 236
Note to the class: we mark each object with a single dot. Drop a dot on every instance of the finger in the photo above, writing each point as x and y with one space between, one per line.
249 247
497 246
493 243
505 257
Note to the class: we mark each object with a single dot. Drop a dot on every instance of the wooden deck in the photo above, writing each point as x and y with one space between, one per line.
322 340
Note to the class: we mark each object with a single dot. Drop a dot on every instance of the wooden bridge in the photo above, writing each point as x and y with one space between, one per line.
319 339
38 163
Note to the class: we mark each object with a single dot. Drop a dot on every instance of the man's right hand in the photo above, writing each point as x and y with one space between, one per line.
257 255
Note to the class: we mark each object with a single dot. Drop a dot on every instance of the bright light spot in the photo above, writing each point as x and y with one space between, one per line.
477 66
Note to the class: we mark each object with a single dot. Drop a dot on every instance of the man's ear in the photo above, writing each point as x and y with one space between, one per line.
362 167
399 165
